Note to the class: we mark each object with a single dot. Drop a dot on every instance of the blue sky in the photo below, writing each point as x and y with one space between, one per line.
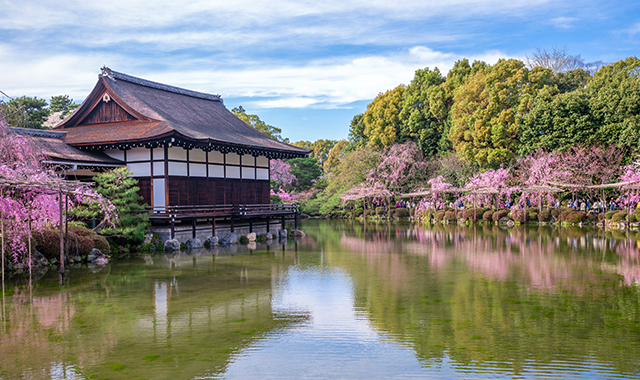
306 67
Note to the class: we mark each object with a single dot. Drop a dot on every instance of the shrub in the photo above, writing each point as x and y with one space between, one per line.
487 216
544 216
380 210
609 214
101 243
499 214
359 211
517 215
402 213
48 243
79 245
619 216
243 240
532 216
450 215
576 217
369 212
439 215
633 218
473 214
555 212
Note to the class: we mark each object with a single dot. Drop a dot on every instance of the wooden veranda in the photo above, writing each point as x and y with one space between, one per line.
233 214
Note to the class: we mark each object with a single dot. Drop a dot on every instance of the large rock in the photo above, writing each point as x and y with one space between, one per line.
269 236
211 242
172 245
97 257
147 238
298 233
251 236
282 234
39 260
229 238
193 243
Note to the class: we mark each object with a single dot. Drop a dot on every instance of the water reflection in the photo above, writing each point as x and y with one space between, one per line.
523 300
348 301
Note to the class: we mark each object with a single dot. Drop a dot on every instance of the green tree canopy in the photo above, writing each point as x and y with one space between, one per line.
255 122
25 112
62 103
614 97
424 110
382 118
488 111
306 170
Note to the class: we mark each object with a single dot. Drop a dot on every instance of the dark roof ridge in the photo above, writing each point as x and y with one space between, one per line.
38 132
114 75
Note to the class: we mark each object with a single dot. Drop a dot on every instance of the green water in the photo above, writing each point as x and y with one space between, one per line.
352 301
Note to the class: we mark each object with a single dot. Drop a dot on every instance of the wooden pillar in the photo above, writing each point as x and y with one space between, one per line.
232 226
2 242
250 226
213 226
268 223
295 221
193 228
173 222
66 226
283 222
61 236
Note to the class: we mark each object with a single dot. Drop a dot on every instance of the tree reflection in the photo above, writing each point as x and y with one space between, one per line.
514 298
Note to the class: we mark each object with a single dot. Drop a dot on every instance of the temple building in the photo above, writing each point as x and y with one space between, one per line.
186 149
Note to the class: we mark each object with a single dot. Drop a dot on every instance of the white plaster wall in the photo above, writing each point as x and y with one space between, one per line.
138 154
158 168
216 171
115 153
233 172
142 169
158 192
197 155
158 154
233 158
262 173
248 160
216 157
248 173
178 168
197 170
177 153
262 161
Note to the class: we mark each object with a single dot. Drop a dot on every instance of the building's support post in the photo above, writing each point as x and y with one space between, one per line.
268 222
295 221
61 236
193 228
232 226
213 226
283 222
250 226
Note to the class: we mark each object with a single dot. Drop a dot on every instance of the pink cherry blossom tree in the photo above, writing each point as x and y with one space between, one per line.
30 194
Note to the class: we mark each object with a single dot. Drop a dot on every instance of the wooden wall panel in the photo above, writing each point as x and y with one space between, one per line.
107 112
185 191
145 190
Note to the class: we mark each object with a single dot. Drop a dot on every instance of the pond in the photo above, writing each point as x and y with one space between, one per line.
350 300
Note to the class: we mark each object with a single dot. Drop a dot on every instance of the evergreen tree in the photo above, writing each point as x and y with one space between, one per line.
117 186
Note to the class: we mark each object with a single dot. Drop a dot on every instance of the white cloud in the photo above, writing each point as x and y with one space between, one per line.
563 22
322 83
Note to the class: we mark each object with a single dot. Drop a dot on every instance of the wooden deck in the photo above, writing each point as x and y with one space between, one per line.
260 213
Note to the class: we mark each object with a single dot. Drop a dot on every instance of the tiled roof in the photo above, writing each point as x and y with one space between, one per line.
169 111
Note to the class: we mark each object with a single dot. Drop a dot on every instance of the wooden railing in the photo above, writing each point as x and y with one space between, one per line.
208 211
